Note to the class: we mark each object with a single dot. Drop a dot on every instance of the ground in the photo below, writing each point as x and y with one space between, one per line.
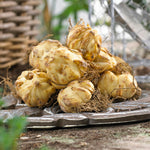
104 137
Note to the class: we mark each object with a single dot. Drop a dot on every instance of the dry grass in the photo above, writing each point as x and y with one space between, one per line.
98 103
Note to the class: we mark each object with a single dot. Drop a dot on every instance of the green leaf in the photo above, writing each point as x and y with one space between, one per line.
17 124
1 90
66 12
1 102
73 7
44 148
9 134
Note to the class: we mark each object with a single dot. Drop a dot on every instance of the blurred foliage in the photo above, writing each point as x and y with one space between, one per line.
1 103
45 148
72 9
103 21
56 24
10 131
1 91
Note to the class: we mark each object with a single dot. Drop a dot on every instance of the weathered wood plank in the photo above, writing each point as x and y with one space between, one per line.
132 105
127 111
41 121
9 102
76 119
59 120
118 117
24 111
143 81
127 18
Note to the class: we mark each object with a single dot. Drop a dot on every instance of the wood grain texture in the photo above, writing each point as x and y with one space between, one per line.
128 18
121 112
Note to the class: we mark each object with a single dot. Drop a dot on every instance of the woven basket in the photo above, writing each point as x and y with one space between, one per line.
18 28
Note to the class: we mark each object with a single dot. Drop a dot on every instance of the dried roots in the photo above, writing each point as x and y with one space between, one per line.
98 103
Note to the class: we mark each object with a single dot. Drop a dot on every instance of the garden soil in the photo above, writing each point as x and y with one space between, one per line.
104 137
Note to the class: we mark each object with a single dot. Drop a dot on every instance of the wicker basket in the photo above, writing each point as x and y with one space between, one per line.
18 28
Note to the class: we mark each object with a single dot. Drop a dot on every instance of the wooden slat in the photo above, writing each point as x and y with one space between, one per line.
33 2
76 119
12 62
19 19
5 44
5 4
132 105
128 111
6 36
127 17
59 120
19 8
24 111
9 102
143 81
6 25
119 117
5 15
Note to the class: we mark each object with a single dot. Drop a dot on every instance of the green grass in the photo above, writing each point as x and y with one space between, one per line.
10 131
